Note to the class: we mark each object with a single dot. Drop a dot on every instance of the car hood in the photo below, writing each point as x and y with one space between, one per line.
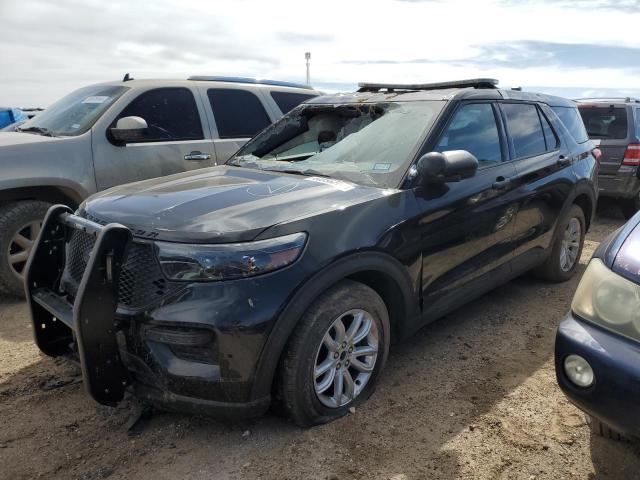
222 204
627 259
9 139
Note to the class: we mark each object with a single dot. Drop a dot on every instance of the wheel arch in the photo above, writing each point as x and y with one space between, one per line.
47 193
586 199
380 271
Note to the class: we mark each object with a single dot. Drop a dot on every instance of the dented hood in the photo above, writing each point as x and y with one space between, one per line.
222 204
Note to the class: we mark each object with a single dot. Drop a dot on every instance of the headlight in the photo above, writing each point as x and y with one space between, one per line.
611 301
230 260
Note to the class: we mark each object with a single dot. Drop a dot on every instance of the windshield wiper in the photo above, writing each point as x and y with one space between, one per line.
40 130
309 172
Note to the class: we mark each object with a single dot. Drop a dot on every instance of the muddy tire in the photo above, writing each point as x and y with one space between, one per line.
19 225
601 429
568 241
335 355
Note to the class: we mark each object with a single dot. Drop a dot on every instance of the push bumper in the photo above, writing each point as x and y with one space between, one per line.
615 394
157 354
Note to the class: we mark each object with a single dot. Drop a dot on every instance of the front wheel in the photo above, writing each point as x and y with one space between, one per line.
335 355
566 249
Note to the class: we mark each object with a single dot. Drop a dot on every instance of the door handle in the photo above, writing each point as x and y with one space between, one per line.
563 160
196 155
501 183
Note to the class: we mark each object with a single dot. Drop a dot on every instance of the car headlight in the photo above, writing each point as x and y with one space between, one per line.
230 260
609 300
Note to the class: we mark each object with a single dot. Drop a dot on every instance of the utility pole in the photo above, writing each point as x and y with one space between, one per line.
307 57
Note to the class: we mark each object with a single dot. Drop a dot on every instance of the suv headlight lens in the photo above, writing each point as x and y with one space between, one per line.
230 260
609 300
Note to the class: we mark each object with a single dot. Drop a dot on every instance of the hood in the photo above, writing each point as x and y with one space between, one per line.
627 260
222 204
8 139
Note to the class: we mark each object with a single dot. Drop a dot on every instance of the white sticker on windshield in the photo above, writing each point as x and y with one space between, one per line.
381 167
337 184
96 99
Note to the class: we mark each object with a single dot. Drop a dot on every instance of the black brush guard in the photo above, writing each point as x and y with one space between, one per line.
90 319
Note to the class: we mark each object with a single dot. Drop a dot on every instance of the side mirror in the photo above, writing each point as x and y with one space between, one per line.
129 129
452 166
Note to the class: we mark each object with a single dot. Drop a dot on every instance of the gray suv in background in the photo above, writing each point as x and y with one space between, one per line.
120 132
615 122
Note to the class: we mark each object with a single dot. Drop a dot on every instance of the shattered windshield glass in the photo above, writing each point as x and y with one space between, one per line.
368 143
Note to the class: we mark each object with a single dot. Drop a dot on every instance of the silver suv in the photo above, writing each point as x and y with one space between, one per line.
119 132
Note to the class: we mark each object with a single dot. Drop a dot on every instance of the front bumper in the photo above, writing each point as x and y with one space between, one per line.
196 351
615 394
624 184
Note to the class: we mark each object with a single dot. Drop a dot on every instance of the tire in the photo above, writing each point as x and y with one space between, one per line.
629 206
296 383
601 429
17 217
552 269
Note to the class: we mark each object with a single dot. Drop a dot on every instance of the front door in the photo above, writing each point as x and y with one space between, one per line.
176 140
466 227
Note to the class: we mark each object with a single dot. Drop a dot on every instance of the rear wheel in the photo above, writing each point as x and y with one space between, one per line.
335 355
630 206
19 226
603 430
566 249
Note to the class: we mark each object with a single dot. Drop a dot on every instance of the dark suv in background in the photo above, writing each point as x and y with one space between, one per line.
286 273
615 123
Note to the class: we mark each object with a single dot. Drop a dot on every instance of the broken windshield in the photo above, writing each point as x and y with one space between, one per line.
370 143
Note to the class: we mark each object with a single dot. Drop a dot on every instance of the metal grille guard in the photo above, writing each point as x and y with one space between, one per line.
90 319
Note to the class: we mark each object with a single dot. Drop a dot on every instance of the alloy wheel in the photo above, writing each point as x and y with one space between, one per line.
570 245
20 246
346 358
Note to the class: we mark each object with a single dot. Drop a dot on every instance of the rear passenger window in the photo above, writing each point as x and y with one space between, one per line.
287 101
238 113
170 113
571 119
605 122
473 128
525 129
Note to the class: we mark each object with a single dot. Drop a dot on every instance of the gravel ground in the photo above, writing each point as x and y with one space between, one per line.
470 396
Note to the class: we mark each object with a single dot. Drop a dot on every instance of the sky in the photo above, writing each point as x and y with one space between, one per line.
577 49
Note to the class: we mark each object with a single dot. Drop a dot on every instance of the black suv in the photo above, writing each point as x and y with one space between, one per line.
615 123
286 273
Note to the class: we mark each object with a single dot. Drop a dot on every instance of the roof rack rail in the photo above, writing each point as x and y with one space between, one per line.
609 99
221 78
472 82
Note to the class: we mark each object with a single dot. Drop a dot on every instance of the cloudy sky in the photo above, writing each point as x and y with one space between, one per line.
574 48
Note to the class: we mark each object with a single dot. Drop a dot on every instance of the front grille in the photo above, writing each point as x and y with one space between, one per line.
141 283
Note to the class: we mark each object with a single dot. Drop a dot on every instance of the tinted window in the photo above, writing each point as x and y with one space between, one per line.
605 122
238 113
170 113
287 101
572 120
525 129
473 128
549 136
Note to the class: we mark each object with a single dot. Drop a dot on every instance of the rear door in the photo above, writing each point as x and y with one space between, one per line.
176 139
543 179
235 115
608 124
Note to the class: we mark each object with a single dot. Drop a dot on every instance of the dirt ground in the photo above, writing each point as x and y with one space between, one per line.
471 396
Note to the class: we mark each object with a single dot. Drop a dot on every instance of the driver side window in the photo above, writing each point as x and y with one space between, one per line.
473 128
171 114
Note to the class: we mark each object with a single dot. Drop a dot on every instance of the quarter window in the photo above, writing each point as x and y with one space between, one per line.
171 114
287 101
238 113
473 128
549 137
525 129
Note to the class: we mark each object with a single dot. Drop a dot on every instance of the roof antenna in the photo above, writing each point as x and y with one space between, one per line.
127 77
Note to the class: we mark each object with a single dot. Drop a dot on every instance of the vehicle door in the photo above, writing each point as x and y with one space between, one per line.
176 139
235 115
543 179
466 227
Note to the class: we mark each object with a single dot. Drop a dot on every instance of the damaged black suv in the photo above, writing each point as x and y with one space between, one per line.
283 275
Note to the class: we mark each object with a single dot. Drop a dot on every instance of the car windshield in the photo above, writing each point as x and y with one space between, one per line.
368 143
75 113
